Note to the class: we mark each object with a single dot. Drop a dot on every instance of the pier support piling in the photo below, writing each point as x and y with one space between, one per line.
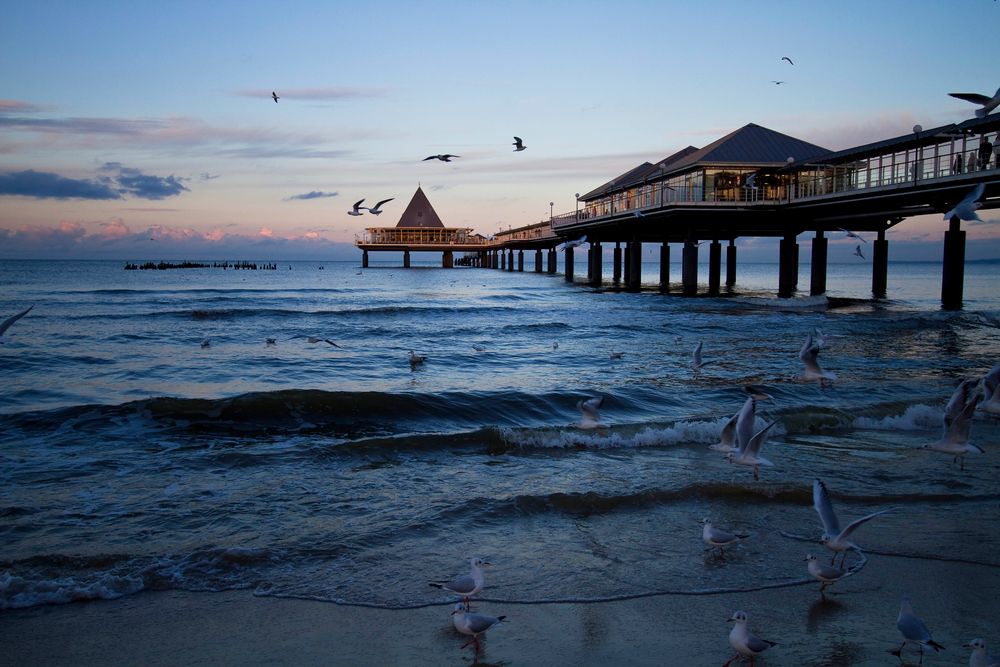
520 260
406 259
510 260
617 275
731 263
689 268
553 258
447 260
788 268
953 269
714 267
817 272
364 259
665 267
538 261
880 265
569 264
634 280
596 264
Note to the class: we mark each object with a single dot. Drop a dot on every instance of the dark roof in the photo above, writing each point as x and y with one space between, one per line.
751 145
419 213
616 183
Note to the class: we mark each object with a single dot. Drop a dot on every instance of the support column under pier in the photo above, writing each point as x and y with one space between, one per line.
520 260
788 269
364 259
634 281
553 258
503 260
616 276
510 259
714 267
953 270
665 267
817 273
880 266
406 259
731 263
447 260
596 268
569 264
627 263
538 261
689 268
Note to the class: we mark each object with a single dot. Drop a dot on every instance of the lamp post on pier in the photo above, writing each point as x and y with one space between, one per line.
577 195
551 204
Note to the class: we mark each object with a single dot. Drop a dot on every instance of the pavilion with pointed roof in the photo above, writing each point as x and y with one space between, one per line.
419 229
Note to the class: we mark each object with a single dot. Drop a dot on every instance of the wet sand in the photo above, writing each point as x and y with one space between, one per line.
855 626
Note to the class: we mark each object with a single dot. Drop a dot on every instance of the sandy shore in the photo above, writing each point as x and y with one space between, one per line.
856 626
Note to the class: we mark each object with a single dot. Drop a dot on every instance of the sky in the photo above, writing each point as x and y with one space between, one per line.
146 130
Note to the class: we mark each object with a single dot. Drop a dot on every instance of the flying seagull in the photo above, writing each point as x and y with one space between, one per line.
749 454
966 209
444 158
988 104
788 59
809 356
10 320
697 363
275 96
590 415
357 208
312 340
851 235
835 539
377 208
518 144
857 252
573 244
777 83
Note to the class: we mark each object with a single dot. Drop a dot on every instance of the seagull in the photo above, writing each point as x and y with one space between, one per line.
313 340
988 104
590 415
745 644
820 340
357 208
270 341
746 418
727 439
377 208
851 235
833 537
696 361
788 59
638 214
617 355
714 537
809 356
826 574
749 455
444 158
479 348
913 630
518 145
957 421
555 345
472 624
979 657
416 359
465 585
275 96
966 209
10 320
573 244
777 83
990 385
858 253
206 343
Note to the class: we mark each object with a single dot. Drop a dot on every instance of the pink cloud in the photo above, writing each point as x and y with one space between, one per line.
116 229
215 235
267 232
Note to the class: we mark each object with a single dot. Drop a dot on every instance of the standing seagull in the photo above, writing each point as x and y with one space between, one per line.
377 208
472 624
446 157
979 657
518 145
913 630
10 320
966 209
714 537
788 59
826 574
357 208
275 96
465 585
988 104
833 537
745 644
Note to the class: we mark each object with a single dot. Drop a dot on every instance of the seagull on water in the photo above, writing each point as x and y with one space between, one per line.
472 624
716 538
270 341
518 145
206 343
590 416
788 59
465 585
809 356
913 630
833 537
987 104
357 208
446 157
479 348
966 209
416 359
851 235
274 95
377 208
957 422
617 355
745 644
697 363
749 455
979 657
10 320
827 574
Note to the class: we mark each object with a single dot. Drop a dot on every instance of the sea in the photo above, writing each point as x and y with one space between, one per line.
154 440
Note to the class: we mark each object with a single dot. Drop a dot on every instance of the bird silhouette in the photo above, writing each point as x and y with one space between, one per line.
275 96
444 158
788 59
518 144
357 208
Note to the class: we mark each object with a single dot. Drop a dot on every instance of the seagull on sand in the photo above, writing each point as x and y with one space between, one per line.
518 145
833 537
809 356
377 208
851 235
749 455
966 209
313 340
827 574
357 208
274 95
472 624
716 538
465 585
745 644
10 320
446 157
788 59
979 657
913 630
987 104
590 412
957 422
697 363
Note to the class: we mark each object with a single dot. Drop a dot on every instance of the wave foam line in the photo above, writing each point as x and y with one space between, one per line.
902 554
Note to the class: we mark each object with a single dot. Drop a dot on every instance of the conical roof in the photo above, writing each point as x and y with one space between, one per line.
419 212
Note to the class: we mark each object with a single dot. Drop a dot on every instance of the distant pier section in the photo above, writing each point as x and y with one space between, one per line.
419 230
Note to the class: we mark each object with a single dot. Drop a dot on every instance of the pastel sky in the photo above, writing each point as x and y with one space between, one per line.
122 122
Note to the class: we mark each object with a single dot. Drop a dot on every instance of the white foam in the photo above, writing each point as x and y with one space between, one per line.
17 592
794 302
916 418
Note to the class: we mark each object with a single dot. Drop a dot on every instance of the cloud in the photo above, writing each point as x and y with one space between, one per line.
17 106
122 182
315 194
266 232
115 229
133 182
330 93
